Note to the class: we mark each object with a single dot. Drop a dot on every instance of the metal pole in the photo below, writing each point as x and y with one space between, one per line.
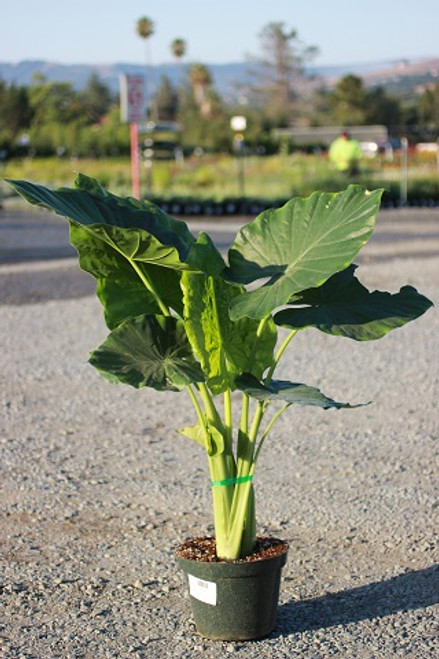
241 170
148 166
238 124
238 144
135 166
404 170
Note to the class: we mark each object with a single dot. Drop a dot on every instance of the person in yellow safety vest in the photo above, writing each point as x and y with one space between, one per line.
345 153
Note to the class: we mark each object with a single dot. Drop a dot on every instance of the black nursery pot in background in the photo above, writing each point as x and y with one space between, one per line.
234 601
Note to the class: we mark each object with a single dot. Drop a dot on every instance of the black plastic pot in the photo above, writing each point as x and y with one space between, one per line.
234 601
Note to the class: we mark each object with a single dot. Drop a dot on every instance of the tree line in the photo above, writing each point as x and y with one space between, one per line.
47 118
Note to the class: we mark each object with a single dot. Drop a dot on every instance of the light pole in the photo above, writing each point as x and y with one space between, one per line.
238 124
404 169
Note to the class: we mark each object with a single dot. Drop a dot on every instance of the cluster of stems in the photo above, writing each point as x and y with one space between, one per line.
231 471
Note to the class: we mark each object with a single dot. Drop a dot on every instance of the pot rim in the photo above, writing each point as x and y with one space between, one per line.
236 568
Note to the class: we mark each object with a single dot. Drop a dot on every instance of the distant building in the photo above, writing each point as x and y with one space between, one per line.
323 136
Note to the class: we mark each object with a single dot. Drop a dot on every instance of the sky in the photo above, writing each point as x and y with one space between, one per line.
216 31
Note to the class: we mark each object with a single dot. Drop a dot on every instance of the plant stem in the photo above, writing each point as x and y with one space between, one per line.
222 467
269 426
196 404
243 423
209 406
279 354
150 287
257 422
259 331
242 519
228 421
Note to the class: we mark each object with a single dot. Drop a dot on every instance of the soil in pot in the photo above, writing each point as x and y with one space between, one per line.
233 600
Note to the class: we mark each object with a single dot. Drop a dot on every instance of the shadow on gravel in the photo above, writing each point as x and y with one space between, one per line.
412 590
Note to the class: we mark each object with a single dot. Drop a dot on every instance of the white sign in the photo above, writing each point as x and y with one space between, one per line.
132 98
202 590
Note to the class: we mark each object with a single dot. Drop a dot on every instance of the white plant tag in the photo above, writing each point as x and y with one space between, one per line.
202 590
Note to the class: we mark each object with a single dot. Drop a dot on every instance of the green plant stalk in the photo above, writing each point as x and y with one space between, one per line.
219 467
280 352
241 532
228 419
268 428
221 496
249 532
149 286
222 467
233 504
243 521
245 448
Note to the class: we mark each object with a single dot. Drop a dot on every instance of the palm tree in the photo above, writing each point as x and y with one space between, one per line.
145 29
201 80
178 48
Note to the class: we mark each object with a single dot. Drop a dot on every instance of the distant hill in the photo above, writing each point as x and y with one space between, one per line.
225 76
405 76
228 78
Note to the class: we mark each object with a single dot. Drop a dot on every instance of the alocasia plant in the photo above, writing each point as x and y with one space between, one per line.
182 319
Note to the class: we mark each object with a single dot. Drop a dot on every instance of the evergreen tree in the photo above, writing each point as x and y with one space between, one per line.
348 101
281 70
381 108
15 111
167 100
429 108
54 102
96 99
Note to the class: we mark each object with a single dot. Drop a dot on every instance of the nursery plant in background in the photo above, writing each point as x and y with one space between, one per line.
182 319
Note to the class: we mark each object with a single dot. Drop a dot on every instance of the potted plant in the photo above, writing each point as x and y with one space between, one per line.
182 319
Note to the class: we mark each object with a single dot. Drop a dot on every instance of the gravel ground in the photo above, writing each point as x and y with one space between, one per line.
98 490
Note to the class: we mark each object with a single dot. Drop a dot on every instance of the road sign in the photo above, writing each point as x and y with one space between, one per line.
132 98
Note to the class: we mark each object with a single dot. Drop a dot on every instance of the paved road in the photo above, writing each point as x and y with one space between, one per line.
95 483
37 263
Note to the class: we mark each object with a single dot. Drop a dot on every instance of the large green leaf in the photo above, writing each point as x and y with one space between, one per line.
127 298
133 248
204 257
123 299
120 288
343 306
299 246
148 351
292 393
89 204
224 348
138 230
